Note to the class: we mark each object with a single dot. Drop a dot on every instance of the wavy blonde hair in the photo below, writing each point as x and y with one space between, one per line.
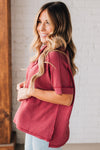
61 37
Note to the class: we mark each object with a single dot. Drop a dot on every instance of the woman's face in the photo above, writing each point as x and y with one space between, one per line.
45 26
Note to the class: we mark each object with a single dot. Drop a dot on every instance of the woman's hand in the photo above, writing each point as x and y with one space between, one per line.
23 93
20 85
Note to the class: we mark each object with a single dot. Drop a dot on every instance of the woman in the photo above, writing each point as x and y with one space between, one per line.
48 94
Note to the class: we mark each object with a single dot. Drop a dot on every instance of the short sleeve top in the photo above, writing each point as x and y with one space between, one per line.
43 119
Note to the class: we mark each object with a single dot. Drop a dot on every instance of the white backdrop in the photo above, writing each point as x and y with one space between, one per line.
85 15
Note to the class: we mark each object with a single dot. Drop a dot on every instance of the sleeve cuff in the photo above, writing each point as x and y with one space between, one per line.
64 90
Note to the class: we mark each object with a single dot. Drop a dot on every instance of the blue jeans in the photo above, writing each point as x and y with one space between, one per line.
34 143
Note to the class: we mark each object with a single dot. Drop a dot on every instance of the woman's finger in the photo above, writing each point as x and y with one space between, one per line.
17 87
20 85
23 94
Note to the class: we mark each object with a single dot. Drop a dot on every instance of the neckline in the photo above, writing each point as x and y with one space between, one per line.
42 48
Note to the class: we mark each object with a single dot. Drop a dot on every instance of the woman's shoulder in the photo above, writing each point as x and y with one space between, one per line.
57 55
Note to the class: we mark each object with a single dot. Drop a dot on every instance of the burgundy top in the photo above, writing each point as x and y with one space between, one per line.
45 120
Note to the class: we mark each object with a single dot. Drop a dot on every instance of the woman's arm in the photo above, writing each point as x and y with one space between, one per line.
52 97
45 95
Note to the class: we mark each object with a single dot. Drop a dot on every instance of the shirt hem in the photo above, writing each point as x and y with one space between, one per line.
32 133
57 146
38 136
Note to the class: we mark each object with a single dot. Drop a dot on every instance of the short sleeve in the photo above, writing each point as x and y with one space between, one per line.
60 76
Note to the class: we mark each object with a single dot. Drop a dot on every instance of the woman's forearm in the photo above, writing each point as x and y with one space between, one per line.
52 97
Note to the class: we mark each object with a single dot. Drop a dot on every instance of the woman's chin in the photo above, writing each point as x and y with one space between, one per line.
44 41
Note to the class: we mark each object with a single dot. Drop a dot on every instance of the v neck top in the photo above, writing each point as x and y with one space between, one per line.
45 120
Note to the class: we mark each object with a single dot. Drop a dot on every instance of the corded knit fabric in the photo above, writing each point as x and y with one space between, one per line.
43 119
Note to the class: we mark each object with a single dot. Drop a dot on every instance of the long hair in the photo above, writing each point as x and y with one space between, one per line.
61 37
